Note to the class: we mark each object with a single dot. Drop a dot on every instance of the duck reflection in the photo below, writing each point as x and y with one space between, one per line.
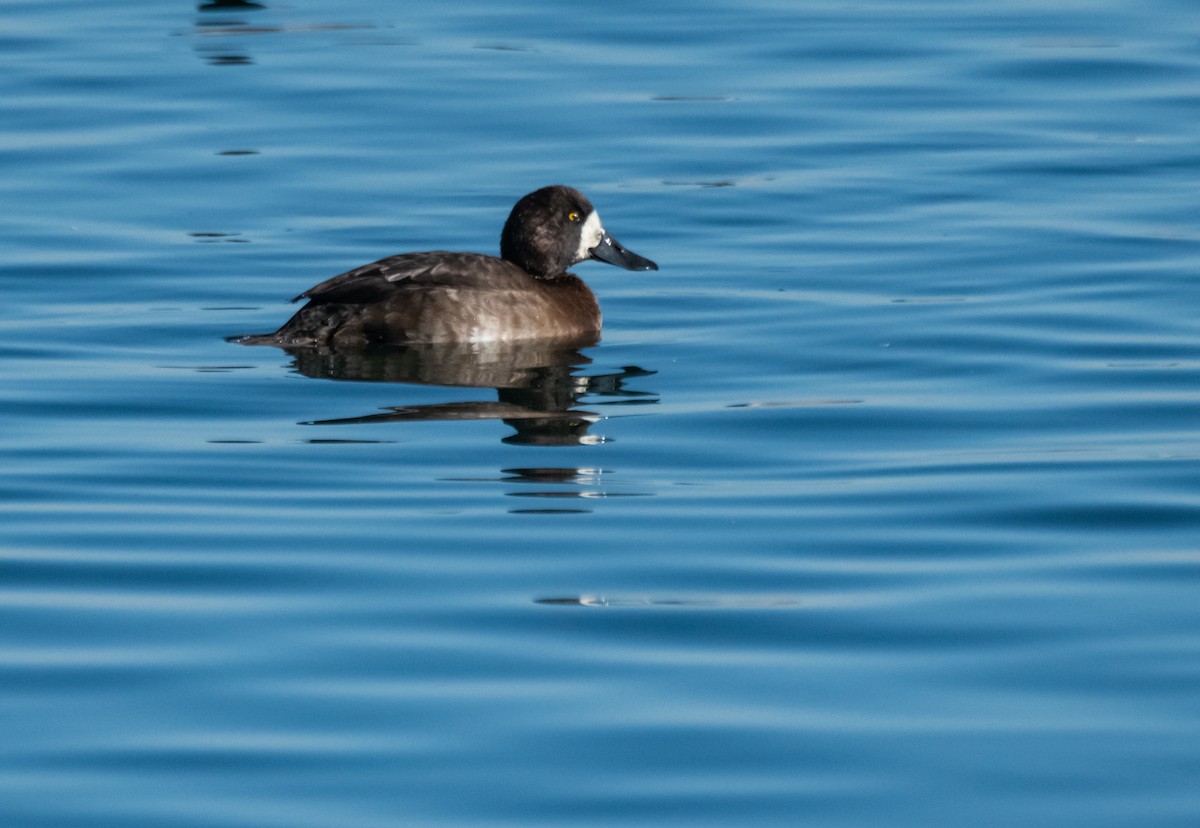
538 386
570 488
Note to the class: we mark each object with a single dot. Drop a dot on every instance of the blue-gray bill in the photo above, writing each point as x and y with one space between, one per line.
610 250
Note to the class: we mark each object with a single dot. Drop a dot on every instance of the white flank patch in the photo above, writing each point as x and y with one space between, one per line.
480 335
589 236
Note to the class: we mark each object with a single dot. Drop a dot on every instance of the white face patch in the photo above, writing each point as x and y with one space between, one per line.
589 235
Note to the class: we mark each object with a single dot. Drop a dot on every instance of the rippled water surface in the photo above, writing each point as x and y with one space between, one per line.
879 504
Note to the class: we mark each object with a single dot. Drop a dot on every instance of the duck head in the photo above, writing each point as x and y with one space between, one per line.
556 227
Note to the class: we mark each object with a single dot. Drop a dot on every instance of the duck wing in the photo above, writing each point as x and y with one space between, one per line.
436 268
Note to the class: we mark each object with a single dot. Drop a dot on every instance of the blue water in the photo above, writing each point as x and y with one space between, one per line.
879 504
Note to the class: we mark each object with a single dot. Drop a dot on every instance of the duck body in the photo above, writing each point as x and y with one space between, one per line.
439 296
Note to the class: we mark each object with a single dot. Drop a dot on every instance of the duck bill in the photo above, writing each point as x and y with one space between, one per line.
610 250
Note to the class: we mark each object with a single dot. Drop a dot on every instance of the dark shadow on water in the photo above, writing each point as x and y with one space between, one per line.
225 30
539 387
229 5
574 488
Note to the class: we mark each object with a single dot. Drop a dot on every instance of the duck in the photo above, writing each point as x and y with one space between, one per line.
437 296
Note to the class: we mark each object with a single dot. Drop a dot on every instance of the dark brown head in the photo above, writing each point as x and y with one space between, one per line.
556 227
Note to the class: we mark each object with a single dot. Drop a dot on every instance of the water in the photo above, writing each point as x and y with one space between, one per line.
876 505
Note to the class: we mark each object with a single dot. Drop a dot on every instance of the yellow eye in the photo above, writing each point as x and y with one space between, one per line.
572 216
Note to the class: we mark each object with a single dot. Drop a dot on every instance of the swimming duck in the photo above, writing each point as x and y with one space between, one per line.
439 296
